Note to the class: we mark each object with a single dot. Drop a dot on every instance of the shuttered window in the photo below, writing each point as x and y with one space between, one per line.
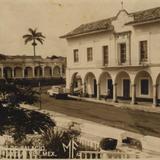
143 51
89 54
105 55
122 50
76 56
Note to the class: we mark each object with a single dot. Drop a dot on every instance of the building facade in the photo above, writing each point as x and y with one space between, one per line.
31 67
119 55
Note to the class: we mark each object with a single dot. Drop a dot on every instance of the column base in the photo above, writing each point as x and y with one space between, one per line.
133 103
154 105
115 101
98 98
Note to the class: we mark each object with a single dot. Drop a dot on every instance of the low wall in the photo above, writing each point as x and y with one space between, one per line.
151 144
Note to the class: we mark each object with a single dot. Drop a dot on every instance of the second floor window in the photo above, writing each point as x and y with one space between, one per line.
105 55
89 54
143 51
122 50
76 56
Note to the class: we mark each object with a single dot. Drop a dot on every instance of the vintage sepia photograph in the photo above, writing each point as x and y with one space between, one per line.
80 79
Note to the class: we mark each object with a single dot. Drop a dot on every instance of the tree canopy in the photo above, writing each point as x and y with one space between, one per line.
34 37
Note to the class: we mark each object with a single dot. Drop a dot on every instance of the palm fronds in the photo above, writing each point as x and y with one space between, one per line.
34 37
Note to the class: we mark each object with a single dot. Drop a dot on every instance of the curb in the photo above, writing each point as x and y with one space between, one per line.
139 107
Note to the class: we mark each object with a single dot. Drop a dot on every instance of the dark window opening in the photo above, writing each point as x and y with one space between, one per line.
105 55
143 51
89 54
122 52
144 87
76 56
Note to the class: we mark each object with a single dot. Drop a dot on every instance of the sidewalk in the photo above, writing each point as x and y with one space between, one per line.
93 132
142 106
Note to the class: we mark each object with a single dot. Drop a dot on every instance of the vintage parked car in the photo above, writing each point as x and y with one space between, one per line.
77 91
58 91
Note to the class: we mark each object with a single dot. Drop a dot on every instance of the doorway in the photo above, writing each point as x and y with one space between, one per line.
110 87
126 88
95 88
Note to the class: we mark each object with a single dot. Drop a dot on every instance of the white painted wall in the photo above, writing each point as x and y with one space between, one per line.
82 43
149 32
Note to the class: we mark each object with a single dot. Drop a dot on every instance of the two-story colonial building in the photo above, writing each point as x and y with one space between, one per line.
120 54
19 67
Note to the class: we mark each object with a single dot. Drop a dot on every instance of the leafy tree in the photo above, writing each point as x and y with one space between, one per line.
13 95
18 122
33 37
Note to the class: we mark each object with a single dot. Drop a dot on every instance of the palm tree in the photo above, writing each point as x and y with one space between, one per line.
34 37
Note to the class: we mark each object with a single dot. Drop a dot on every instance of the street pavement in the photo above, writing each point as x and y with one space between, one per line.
145 123
92 132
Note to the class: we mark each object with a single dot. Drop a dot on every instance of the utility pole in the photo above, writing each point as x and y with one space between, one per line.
40 97
40 89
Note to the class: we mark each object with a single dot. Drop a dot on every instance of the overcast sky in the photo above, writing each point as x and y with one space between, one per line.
54 18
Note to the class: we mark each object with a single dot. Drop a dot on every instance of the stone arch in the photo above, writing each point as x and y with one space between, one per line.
57 71
158 79
76 84
73 75
105 84
158 87
144 85
7 72
123 83
28 72
90 84
38 71
47 71
120 73
89 73
18 72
